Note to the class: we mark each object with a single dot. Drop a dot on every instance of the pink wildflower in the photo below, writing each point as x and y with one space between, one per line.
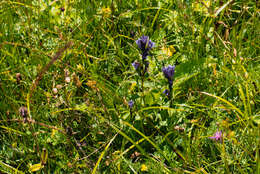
217 136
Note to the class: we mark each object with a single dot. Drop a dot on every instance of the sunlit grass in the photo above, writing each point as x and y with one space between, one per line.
66 79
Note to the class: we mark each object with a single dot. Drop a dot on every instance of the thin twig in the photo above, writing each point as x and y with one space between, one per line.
28 120
44 69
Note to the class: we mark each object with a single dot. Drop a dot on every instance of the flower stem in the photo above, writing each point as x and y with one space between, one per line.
170 95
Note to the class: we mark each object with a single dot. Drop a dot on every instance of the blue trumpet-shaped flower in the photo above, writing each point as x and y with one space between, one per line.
145 45
169 73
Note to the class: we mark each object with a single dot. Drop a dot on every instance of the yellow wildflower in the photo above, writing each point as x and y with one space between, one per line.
144 168
106 11
169 51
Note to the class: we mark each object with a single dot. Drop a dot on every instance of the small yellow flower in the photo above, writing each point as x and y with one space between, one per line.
144 168
80 67
106 11
14 145
169 51
132 87
53 132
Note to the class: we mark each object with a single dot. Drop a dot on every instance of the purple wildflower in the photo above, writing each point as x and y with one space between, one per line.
169 73
136 65
217 136
166 92
145 44
131 104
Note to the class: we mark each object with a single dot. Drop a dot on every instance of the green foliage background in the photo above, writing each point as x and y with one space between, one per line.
78 117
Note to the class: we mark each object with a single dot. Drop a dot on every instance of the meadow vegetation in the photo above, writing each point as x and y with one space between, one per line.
114 86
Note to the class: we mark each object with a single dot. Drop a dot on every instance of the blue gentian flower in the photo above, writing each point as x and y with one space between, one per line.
145 45
136 65
169 73
131 104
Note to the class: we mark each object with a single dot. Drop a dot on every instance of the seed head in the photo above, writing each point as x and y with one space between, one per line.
55 90
67 79
18 77
58 86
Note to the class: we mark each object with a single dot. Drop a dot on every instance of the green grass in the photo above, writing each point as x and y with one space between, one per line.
73 72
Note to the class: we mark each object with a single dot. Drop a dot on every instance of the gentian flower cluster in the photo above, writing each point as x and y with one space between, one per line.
145 45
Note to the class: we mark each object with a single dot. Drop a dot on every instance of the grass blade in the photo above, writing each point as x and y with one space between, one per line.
9 169
102 154
222 8
227 102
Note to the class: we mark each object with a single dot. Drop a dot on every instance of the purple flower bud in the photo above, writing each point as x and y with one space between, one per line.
144 55
145 44
169 72
136 65
23 111
217 136
166 92
131 104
